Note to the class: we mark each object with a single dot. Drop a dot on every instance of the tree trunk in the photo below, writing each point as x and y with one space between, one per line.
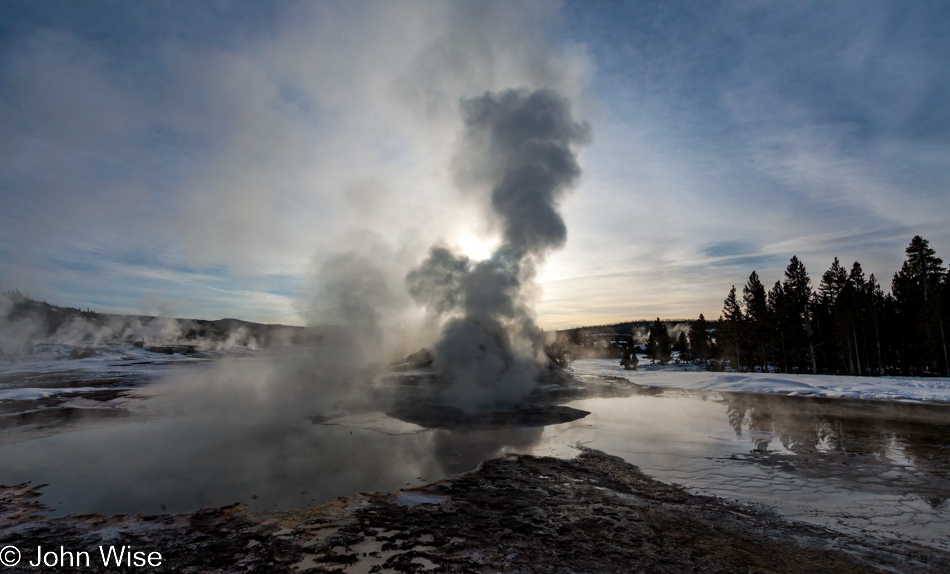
902 357
943 339
738 363
857 351
933 344
877 336
847 340
811 345
784 353
772 346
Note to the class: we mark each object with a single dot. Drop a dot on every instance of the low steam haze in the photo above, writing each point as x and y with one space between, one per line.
292 162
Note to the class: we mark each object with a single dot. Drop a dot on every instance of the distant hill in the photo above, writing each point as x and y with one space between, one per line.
632 331
25 322
607 341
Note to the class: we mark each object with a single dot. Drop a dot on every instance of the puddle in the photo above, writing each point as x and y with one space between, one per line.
416 498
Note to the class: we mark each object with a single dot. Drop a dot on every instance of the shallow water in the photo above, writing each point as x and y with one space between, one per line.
857 466
860 467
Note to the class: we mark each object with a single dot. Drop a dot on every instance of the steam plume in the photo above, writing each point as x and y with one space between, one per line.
519 146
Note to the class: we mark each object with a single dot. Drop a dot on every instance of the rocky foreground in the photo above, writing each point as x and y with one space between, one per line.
594 513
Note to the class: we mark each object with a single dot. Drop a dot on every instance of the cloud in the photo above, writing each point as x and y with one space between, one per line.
248 141
245 143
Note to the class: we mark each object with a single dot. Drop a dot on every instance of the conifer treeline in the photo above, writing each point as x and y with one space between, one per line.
847 326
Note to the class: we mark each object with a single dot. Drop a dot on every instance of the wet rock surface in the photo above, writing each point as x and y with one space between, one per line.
594 513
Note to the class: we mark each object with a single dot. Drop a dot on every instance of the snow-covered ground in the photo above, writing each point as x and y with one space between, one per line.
690 377
32 393
51 359
36 376
58 369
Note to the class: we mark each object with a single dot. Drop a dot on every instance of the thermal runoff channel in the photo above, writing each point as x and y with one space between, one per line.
519 148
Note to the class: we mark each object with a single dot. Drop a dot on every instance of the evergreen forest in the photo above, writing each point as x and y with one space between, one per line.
846 325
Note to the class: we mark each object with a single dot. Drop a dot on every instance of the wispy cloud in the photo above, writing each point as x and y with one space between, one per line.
217 155
734 135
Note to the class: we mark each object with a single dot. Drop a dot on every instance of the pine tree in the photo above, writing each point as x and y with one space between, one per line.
862 317
664 344
778 319
834 309
659 344
730 327
923 269
651 345
628 358
797 288
699 339
757 319
943 316
833 282
681 346
878 303
917 292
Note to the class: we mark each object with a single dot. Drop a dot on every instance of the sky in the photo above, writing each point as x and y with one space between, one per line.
208 159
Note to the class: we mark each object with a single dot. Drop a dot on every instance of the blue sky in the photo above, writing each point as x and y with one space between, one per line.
205 159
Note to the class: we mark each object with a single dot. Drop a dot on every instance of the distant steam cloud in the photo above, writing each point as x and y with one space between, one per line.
519 146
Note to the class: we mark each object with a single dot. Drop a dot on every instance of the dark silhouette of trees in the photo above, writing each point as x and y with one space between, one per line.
847 326
757 325
917 290
659 345
628 358
731 325
699 348
779 325
834 310
798 300
681 346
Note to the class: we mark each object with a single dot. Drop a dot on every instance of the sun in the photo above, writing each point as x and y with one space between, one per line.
477 248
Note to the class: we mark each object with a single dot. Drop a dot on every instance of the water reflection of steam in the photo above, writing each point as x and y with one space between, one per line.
798 429
883 436
861 427
461 450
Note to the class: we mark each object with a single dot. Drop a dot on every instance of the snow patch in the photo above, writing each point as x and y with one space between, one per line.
33 394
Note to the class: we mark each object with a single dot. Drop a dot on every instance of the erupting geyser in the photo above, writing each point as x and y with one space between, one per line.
519 146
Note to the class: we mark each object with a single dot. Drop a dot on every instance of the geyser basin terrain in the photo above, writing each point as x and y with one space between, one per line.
872 468
515 514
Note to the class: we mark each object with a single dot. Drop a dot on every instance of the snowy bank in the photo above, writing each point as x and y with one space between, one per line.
687 377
